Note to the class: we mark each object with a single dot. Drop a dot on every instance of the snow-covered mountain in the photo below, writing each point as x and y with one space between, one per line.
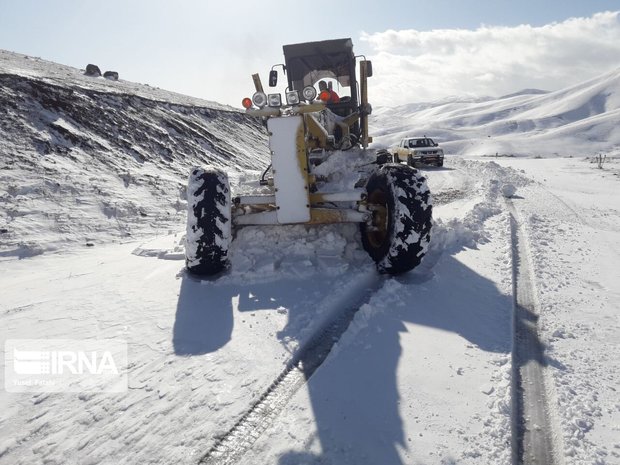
581 120
86 159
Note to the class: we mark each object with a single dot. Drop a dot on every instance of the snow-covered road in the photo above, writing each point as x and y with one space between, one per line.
199 352
422 374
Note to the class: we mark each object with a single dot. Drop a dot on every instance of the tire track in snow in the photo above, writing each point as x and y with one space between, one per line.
532 431
239 439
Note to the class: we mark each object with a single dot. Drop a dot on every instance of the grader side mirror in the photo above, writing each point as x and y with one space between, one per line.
273 78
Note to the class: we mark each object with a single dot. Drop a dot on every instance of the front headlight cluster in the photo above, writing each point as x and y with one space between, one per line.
274 100
292 97
309 93
260 99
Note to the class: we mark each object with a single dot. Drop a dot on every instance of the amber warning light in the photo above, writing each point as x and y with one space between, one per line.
324 95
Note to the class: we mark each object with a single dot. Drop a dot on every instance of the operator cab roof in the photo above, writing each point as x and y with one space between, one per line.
308 62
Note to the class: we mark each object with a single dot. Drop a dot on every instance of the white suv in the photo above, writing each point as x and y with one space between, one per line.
418 150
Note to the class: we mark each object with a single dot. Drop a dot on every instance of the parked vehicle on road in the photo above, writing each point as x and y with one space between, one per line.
418 151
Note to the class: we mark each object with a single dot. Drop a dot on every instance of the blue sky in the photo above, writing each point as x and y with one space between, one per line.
209 49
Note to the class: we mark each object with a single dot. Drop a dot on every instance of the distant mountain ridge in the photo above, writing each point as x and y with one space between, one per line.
583 119
524 92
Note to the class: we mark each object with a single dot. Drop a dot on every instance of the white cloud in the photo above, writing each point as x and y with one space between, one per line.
413 66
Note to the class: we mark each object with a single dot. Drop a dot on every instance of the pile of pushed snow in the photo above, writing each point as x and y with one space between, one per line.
580 120
271 251
463 223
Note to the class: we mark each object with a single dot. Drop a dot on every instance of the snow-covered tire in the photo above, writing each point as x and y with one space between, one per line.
208 222
399 235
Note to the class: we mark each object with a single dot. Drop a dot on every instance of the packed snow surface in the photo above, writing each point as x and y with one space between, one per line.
422 374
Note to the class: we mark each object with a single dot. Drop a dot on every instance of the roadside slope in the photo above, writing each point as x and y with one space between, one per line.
85 160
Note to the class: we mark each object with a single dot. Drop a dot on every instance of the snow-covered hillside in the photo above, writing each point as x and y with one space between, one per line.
583 120
218 368
85 159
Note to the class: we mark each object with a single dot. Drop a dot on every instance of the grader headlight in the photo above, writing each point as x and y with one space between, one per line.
292 97
309 93
259 99
275 100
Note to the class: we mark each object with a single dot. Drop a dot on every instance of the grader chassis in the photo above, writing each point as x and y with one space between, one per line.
307 133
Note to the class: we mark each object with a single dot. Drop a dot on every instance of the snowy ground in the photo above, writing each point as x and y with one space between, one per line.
571 213
422 375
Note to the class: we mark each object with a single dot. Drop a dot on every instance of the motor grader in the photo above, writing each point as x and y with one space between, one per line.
322 170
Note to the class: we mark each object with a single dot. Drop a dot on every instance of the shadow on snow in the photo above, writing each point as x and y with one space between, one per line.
450 297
